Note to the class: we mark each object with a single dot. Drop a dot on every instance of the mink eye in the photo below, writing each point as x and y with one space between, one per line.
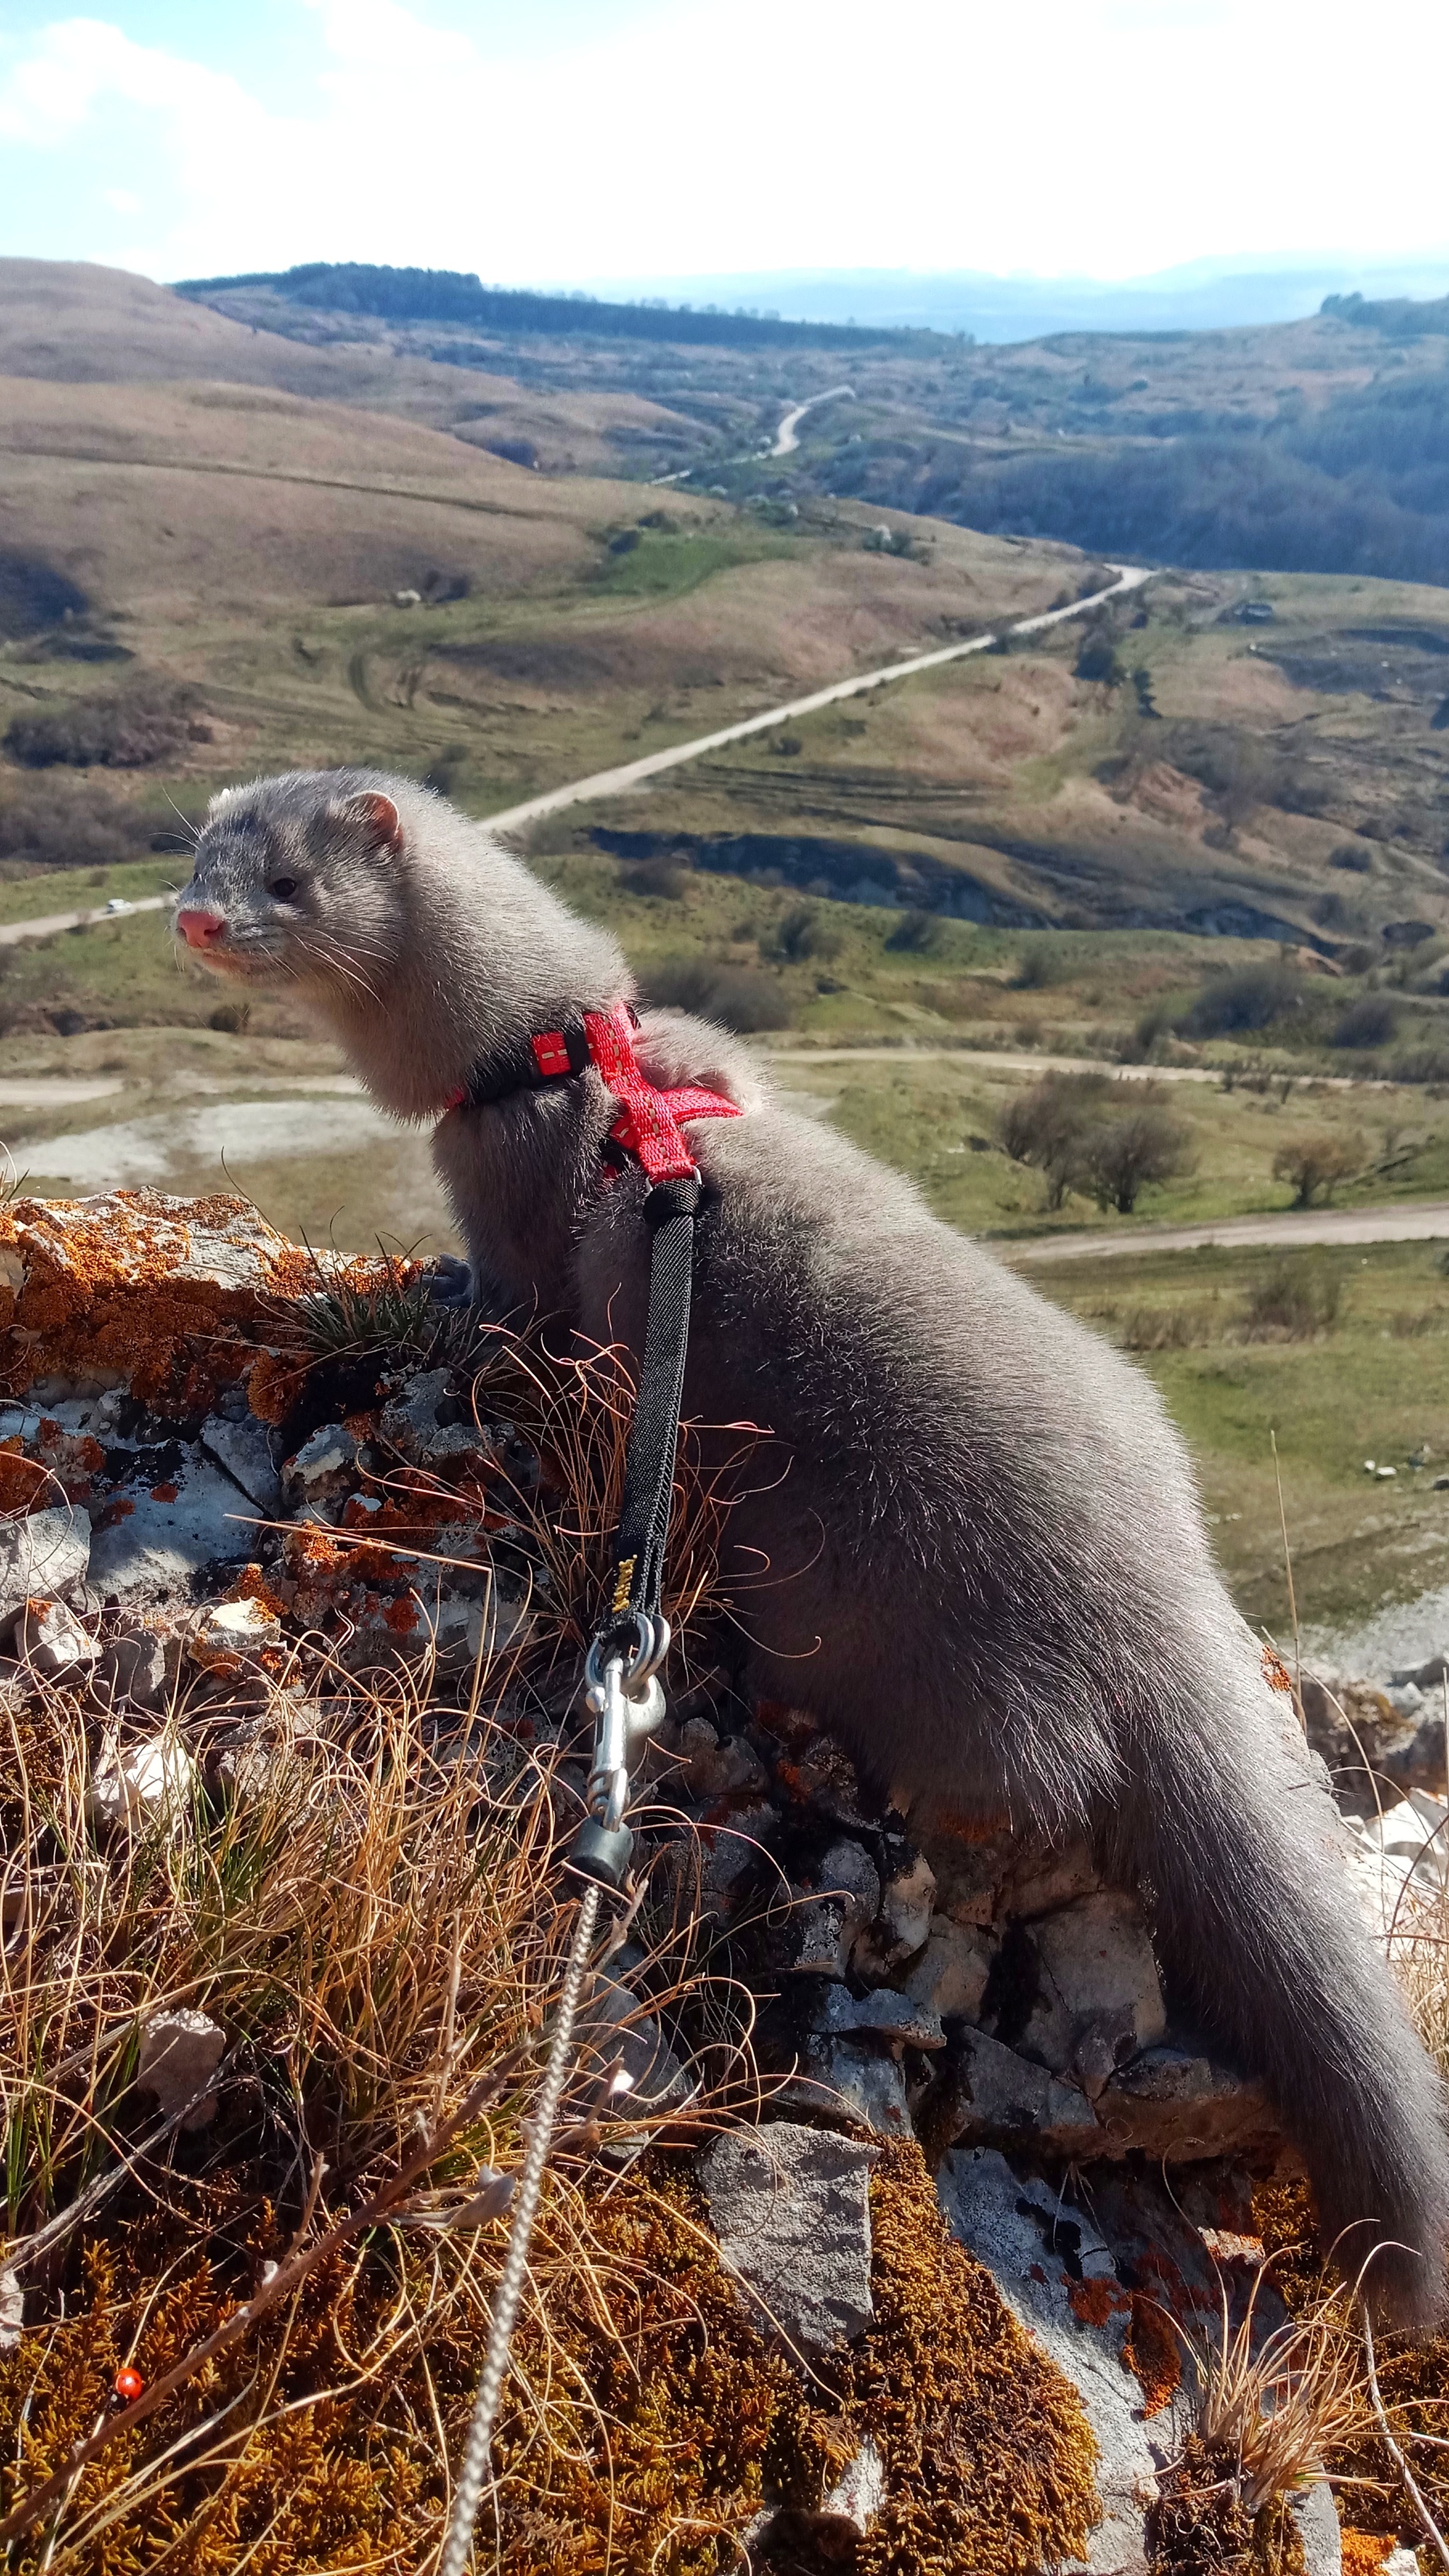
282 888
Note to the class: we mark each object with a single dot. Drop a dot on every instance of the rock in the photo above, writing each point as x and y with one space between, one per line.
901 1926
244 1449
847 2079
971 1870
12 2311
47 1555
50 1641
790 2208
891 2018
828 2537
859 2493
132 1665
150 1543
1368 1735
180 2052
1099 1998
324 1469
714 1768
152 1779
227 1636
616 2024
950 1976
1042 1881
1316 2516
1397 1857
990 2096
430 1425
823 1926
1180 2108
1015 2229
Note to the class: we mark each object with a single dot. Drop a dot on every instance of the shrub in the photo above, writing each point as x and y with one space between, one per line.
1315 1165
1123 1156
1371 1021
74 823
1292 1300
1103 1139
1039 966
916 932
1042 1125
739 997
1350 856
129 729
660 878
1249 997
1097 658
801 933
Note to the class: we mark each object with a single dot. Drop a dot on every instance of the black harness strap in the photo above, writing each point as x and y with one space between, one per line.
639 1541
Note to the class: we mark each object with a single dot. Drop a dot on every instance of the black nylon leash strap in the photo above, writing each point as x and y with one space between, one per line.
643 1531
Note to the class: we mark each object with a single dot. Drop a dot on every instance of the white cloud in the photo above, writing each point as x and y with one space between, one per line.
1101 136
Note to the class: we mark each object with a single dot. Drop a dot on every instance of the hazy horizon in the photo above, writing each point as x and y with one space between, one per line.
665 144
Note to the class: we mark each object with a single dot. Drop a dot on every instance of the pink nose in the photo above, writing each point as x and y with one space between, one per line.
200 929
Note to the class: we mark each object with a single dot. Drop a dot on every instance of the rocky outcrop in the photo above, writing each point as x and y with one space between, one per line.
224 1510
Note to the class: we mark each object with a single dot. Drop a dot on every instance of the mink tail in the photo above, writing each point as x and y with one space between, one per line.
1240 1854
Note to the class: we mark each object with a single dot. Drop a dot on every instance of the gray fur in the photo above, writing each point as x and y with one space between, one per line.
969 1540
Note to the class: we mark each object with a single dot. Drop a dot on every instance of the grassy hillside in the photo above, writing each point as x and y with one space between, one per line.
1307 446
76 323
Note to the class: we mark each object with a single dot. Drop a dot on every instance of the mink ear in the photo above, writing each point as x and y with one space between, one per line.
379 818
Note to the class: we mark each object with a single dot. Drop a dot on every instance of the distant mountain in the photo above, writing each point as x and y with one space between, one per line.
1202 296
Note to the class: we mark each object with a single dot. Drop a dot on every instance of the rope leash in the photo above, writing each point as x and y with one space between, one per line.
622 1667
473 2476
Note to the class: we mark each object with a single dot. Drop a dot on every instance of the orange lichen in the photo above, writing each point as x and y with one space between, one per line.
1365 2553
1152 2351
1093 2302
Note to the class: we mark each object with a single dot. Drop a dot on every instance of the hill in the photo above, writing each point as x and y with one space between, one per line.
1309 446
456 295
73 323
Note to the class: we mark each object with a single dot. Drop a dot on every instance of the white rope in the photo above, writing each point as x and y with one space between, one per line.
472 2477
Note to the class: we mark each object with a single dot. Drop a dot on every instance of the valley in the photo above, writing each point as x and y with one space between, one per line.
1195 836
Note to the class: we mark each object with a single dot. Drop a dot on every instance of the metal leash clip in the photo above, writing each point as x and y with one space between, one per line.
626 1696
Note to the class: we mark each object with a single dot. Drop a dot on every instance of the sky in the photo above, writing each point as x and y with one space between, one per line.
563 141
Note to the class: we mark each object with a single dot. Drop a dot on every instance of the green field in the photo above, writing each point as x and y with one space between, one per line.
1369 1381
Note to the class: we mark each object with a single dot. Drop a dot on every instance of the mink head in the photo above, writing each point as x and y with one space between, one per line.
300 877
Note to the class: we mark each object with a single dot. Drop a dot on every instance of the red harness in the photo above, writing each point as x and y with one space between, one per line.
649 1125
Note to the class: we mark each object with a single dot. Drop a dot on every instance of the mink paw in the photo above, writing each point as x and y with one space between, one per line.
452 1282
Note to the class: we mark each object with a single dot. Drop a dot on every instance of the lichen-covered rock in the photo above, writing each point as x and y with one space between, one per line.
163 1295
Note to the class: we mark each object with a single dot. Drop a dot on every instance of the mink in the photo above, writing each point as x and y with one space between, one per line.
967 1538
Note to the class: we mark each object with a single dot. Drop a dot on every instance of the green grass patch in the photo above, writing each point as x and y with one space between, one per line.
1368 1379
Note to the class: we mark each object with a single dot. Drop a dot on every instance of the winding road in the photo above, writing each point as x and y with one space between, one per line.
786 438
616 782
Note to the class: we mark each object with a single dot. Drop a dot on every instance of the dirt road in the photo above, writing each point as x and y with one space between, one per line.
614 782
786 436
10 931
1421 1221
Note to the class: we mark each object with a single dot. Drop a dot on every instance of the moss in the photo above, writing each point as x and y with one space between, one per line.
990 2460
